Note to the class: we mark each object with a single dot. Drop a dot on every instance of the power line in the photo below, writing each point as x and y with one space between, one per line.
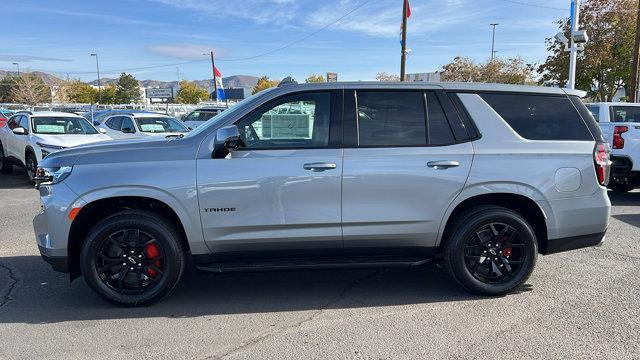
534 5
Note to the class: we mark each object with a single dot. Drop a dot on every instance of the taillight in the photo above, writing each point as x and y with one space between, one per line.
618 140
602 162
2 121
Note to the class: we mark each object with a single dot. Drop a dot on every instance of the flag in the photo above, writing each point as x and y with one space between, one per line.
218 85
408 10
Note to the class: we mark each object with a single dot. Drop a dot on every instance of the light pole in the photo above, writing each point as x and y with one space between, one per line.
18 66
98 71
493 40
573 50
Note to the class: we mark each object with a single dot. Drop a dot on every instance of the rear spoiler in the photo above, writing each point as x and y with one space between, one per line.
574 92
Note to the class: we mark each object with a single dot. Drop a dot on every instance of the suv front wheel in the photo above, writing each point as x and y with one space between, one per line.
133 258
491 251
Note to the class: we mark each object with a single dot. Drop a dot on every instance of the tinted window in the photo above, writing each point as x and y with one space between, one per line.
296 121
127 123
115 123
201 115
540 117
625 113
595 111
391 118
588 118
439 130
13 122
24 122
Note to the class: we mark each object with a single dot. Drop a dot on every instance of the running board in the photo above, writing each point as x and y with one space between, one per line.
307 264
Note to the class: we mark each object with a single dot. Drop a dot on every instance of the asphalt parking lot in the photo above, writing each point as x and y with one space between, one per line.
580 304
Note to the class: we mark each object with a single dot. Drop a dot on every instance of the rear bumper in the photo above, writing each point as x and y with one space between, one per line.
571 243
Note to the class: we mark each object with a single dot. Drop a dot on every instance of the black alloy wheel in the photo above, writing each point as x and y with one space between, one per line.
32 166
130 261
494 254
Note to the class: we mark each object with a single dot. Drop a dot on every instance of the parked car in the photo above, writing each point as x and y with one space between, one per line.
100 116
4 115
620 124
142 125
199 116
481 176
27 138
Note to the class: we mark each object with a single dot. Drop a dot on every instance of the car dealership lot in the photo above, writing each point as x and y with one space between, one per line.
579 304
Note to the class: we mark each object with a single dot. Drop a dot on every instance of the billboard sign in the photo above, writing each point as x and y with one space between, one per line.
163 93
332 77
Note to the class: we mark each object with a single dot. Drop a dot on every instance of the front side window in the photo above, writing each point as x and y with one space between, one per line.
127 125
14 121
62 125
201 115
625 113
160 125
540 117
115 122
391 118
298 121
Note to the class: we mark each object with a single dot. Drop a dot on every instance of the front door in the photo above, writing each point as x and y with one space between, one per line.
279 194
401 173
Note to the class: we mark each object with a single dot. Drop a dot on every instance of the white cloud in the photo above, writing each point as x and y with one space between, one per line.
259 11
383 19
185 51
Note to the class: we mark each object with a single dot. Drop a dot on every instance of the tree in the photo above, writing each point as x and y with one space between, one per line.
80 92
6 85
30 89
604 67
383 76
127 89
313 78
504 71
109 94
190 93
264 83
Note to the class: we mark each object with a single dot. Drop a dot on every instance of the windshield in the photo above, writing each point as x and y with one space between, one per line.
58 125
201 115
160 125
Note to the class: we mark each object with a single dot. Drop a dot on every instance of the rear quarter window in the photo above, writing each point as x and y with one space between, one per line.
540 117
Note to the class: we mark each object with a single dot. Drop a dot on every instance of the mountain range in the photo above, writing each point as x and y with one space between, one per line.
234 81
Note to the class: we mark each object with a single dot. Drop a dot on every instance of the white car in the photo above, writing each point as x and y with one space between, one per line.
199 116
142 125
27 138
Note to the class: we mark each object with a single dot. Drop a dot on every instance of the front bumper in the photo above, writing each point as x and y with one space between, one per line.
58 263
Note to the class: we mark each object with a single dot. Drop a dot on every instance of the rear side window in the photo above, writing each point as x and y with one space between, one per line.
540 117
588 118
439 130
391 118
625 113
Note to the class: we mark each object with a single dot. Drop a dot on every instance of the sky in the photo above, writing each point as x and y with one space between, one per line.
166 39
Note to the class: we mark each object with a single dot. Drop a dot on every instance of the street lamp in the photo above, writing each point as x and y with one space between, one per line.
18 66
98 71
493 40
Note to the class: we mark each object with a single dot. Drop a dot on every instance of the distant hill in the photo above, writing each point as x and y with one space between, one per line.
234 81
47 78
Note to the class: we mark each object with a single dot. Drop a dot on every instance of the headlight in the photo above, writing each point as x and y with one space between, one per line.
50 176
47 146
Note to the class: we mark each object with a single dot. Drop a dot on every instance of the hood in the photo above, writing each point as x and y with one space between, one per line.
147 149
68 141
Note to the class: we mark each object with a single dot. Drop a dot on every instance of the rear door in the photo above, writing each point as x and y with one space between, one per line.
279 195
406 161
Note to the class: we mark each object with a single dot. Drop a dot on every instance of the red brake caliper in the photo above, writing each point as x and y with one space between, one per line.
151 251
506 251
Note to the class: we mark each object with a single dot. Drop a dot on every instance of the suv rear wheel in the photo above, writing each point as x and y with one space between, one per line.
133 258
492 250
5 166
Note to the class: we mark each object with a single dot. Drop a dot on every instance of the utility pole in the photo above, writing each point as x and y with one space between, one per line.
573 50
636 52
98 71
493 40
18 66
215 84
403 54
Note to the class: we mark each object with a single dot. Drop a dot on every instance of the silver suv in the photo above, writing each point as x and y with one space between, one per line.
483 177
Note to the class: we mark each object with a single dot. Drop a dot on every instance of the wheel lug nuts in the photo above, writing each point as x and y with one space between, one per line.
139 256
124 264
132 268
139 264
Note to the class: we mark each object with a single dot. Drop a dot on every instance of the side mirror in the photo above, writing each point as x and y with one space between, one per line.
227 139
127 130
20 131
102 131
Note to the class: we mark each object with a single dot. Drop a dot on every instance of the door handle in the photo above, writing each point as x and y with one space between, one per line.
442 164
319 166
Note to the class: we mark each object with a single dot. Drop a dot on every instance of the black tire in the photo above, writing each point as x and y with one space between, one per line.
466 253
5 166
622 184
31 164
138 287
